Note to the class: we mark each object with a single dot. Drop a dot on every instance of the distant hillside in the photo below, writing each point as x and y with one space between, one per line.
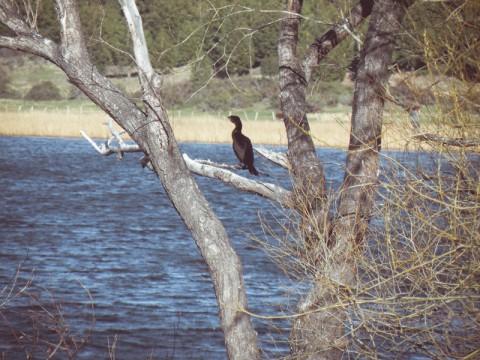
220 36
195 43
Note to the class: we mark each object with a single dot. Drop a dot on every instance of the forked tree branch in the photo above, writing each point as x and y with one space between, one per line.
149 127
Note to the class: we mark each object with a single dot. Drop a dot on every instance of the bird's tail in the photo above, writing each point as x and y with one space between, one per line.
252 170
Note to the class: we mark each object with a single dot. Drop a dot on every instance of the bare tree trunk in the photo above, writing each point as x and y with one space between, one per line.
320 333
295 74
151 130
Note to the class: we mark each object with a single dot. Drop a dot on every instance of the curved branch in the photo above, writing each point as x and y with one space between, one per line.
325 43
278 158
9 17
268 190
26 39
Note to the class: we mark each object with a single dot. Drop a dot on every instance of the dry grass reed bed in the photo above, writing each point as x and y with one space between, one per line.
52 124
328 130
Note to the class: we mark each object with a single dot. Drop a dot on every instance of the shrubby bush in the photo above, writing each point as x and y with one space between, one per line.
45 90
76 94
411 90
5 91
10 94
4 80
329 94
246 92
269 66
217 94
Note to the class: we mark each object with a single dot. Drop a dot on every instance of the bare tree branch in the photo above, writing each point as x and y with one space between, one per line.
108 148
26 39
277 158
268 190
151 130
11 19
325 43
459 142
204 168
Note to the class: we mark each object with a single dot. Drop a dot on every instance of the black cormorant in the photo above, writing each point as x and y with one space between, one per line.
242 146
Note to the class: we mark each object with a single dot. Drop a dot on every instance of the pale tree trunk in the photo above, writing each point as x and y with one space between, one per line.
151 130
320 333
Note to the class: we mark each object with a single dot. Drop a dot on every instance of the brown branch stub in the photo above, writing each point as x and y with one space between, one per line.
458 142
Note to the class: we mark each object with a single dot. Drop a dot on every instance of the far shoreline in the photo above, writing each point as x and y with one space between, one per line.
329 130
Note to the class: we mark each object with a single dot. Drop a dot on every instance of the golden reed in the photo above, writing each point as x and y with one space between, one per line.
328 130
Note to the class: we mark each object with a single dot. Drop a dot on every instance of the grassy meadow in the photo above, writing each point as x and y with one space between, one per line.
66 118
327 129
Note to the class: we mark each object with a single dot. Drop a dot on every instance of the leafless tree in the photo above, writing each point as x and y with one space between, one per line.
150 129
318 334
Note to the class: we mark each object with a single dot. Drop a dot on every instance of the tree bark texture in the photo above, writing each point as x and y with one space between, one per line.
295 73
151 130
320 333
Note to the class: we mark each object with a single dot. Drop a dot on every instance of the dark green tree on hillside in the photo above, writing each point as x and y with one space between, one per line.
106 34
173 30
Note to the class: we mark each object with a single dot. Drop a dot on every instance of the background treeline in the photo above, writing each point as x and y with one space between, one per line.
221 39
231 37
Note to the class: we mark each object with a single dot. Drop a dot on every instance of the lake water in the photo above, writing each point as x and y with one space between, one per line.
70 217
73 220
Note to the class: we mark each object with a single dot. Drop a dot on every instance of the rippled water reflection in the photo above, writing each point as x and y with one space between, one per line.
70 216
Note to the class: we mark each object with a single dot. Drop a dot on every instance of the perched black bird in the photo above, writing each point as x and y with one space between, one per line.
242 146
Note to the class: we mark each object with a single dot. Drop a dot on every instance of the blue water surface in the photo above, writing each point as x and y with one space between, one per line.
72 220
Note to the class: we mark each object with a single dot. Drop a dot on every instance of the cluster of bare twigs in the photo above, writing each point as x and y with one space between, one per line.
417 290
33 319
